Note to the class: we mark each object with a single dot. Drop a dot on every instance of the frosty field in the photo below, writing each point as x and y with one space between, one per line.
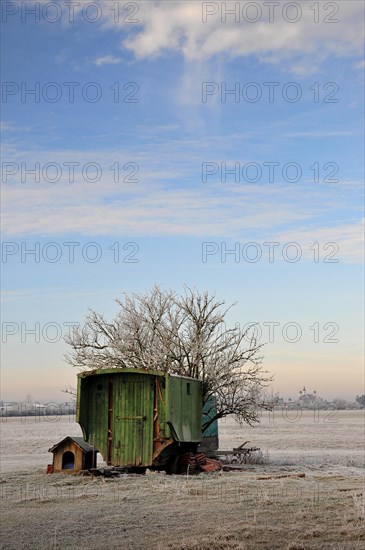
256 508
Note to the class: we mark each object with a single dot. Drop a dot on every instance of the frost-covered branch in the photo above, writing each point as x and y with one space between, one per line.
182 334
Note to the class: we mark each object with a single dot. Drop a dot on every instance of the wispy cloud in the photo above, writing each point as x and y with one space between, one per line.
7 127
10 127
170 198
320 133
148 209
107 60
154 207
360 64
38 294
347 239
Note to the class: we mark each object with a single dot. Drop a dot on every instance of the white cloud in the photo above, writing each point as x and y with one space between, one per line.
304 68
331 29
108 60
178 26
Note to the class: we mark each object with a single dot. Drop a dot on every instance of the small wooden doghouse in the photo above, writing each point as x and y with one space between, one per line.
73 454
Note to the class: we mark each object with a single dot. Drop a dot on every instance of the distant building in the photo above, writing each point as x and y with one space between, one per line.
308 398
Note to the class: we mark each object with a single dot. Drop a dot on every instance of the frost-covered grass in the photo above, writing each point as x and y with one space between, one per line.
318 459
265 507
313 439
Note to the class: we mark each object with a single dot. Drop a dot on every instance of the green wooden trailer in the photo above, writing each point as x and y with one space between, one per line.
139 418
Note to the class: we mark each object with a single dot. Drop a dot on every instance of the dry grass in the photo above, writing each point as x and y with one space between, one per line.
221 511
359 503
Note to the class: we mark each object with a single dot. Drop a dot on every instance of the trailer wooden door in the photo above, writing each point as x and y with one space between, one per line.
131 420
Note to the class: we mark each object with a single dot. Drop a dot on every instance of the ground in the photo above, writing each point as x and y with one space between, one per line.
256 508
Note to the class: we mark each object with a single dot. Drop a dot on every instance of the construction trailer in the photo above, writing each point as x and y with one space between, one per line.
142 418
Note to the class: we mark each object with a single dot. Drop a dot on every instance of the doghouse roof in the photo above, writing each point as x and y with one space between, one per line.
78 440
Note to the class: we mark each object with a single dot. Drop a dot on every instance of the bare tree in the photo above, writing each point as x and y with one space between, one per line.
181 334
70 391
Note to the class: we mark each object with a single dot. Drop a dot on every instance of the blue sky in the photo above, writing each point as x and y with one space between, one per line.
153 225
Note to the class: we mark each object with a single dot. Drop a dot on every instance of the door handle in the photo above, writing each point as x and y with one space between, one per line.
131 417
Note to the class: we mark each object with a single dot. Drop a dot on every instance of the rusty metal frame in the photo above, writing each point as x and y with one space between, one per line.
110 420
159 444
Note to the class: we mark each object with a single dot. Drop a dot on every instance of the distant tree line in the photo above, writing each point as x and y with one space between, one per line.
21 409
319 403
360 399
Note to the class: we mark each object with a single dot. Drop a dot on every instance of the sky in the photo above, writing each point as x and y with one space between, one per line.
213 144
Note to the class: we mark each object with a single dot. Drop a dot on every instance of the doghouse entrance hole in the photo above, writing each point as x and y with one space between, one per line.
68 461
